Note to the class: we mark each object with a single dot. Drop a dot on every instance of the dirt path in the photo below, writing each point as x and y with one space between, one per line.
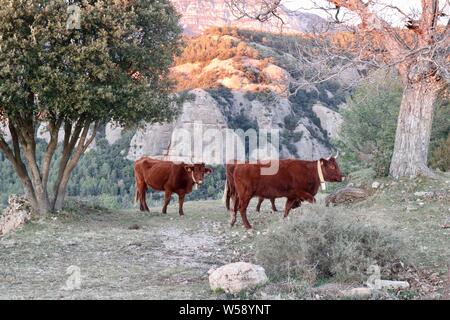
166 258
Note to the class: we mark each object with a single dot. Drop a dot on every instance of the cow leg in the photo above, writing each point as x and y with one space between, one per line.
233 218
296 204
274 208
167 196
144 200
305 196
289 204
141 196
243 204
233 213
227 195
180 204
258 206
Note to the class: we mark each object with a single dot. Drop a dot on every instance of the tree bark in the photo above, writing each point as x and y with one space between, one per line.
53 129
81 148
15 159
414 130
26 137
70 140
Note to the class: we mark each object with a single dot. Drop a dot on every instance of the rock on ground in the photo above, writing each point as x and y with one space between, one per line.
346 195
375 185
16 214
359 293
238 276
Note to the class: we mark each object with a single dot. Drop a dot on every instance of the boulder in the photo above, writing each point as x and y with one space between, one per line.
16 214
238 276
346 195
358 293
375 185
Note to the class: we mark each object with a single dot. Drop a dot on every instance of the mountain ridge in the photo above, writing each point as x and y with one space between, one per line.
199 15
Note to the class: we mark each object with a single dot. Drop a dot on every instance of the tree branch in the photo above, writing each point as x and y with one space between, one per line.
53 129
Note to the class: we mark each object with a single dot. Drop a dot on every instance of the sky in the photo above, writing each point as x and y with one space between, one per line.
406 6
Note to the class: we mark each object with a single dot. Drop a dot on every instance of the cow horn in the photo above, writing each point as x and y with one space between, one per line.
337 155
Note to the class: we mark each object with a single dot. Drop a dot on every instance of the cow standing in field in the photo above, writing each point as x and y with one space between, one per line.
167 176
297 180
230 191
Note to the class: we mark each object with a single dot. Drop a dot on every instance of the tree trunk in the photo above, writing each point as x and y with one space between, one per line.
414 129
69 166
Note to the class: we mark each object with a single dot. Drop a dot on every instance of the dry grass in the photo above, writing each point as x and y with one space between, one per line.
168 257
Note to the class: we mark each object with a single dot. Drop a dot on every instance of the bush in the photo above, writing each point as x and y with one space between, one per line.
324 244
370 121
440 157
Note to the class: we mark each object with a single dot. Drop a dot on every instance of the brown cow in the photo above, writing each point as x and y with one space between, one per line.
230 191
169 177
297 180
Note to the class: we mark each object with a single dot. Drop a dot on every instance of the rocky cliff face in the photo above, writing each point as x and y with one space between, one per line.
242 91
199 15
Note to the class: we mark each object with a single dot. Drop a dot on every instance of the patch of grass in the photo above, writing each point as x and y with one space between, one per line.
327 244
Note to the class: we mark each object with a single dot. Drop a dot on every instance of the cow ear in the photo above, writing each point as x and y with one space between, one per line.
209 170
188 168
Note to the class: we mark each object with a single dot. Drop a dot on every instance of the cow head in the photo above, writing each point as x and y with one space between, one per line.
330 169
197 172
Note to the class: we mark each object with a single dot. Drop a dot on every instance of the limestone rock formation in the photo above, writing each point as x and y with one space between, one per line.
330 120
209 120
199 15
113 132
236 277
4 131
200 120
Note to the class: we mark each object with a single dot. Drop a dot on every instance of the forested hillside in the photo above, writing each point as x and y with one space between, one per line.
234 68
105 177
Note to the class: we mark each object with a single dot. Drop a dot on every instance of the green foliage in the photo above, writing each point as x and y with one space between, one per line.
267 97
113 68
440 157
9 182
207 47
105 178
302 102
370 120
224 97
326 244
85 73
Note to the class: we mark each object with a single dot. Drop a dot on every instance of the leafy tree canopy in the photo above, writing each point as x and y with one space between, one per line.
74 67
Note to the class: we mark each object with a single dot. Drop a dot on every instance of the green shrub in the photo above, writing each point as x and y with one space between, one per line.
326 243
370 121
108 201
440 157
